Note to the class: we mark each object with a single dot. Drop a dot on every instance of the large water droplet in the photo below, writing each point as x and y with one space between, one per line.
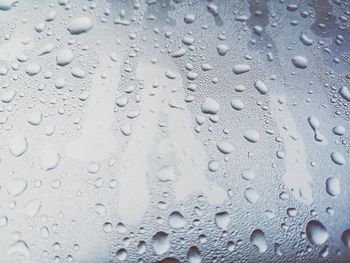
194 255
345 237
64 57
316 232
337 158
300 62
80 25
18 145
333 186
6 5
257 238
161 242
16 186
225 147
210 106
222 220
176 220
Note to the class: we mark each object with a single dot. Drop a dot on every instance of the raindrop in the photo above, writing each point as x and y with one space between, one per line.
240 69
122 254
18 145
64 57
16 186
333 186
257 238
176 220
225 147
251 195
222 220
261 87
337 158
210 106
300 62
161 242
252 136
194 255
80 25
316 232
345 237
32 69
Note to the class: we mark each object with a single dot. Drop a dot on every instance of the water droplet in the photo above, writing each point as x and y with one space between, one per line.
8 96
252 136
107 227
345 93
189 18
231 246
176 220
239 88
19 249
337 158
32 69
49 159
170 74
16 186
161 242
46 49
80 25
292 212
222 49
3 221
237 104
179 53
194 255
306 40
35 118
166 173
248 174
300 62
78 73
316 232
122 254
32 208
345 237
261 87
315 125
333 186
126 129
120 227
64 57
257 238
251 195
240 68
339 130
93 167
222 220
141 247
18 145
6 5
210 106
225 147
100 209
213 165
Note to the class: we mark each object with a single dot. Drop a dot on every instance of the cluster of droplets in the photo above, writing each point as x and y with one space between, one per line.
242 121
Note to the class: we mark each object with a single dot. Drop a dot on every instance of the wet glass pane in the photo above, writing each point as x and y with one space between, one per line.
174 131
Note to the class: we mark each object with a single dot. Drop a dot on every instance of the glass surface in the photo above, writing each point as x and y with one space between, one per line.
174 131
